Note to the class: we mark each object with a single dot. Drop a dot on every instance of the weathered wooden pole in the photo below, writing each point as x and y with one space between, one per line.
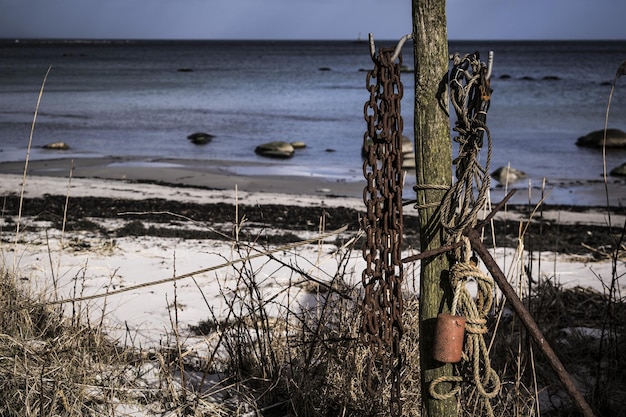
433 155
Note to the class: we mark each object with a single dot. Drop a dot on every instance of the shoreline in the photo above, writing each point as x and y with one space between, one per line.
273 177
155 190
207 174
225 179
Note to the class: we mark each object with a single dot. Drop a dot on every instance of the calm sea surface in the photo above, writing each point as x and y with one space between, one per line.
130 98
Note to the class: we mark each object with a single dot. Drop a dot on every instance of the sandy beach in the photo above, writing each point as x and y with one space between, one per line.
130 223
200 238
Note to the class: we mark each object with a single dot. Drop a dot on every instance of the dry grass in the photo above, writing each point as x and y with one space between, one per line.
281 354
50 366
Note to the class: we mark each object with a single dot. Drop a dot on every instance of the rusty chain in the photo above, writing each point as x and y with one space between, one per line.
381 326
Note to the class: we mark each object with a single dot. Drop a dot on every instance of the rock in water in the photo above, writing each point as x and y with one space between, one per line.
408 162
407 145
619 171
615 138
200 138
59 146
508 175
298 145
276 149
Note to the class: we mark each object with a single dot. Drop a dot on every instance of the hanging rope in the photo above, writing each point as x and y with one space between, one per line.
475 311
381 325
470 94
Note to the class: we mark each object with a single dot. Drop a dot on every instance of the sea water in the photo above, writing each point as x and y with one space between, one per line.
142 99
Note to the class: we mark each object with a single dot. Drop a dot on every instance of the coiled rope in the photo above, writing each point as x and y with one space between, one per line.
475 311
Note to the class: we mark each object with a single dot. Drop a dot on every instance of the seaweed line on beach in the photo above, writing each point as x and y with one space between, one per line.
167 217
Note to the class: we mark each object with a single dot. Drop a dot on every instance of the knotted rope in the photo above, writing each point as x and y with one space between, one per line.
475 311
470 94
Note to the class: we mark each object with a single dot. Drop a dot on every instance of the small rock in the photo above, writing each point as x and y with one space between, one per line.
200 138
58 146
407 145
508 175
275 149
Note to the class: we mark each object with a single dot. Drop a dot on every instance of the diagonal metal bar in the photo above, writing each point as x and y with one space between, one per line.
447 248
528 321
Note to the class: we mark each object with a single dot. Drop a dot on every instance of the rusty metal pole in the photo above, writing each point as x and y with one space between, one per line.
528 321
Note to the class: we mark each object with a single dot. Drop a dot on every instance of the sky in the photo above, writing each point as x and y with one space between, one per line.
306 19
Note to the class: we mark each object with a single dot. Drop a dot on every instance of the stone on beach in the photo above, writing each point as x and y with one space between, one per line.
408 162
615 138
276 149
408 153
508 175
59 146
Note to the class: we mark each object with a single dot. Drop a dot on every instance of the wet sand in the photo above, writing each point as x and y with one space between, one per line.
274 177
216 175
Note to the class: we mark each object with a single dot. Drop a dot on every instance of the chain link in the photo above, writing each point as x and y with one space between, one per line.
381 326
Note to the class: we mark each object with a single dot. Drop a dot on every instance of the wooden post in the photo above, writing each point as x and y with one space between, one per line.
433 155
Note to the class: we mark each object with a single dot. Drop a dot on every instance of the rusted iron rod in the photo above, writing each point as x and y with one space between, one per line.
496 209
452 246
528 321
432 252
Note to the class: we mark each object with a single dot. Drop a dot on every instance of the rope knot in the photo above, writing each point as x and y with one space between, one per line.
475 310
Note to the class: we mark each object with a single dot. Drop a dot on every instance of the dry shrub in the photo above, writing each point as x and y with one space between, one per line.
49 366
586 329
308 360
